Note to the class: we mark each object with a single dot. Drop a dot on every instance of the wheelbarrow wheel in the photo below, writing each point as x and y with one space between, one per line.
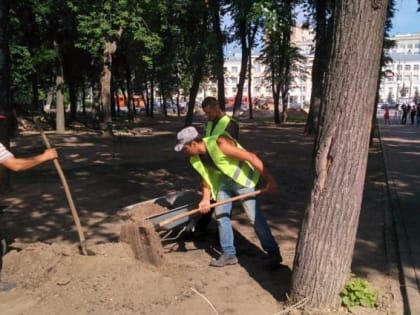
198 225
203 222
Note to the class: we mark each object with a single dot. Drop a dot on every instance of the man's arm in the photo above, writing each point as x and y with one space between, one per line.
204 204
23 164
228 147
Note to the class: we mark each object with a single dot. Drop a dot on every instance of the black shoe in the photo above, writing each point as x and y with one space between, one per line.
6 286
223 260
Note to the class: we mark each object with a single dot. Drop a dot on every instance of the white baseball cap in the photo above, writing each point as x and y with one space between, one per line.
185 136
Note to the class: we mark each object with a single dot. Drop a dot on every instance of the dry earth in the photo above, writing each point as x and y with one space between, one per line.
107 175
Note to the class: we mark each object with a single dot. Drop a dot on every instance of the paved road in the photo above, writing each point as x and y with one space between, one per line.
401 149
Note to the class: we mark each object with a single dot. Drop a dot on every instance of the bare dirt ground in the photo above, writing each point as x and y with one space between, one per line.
106 175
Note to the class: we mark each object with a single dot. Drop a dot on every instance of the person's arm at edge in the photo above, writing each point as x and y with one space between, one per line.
23 164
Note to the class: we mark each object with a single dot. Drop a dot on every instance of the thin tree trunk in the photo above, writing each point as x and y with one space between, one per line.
59 99
197 77
320 63
5 101
106 98
242 73
219 66
327 237
60 124
35 91
109 50
73 99
286 62
250 85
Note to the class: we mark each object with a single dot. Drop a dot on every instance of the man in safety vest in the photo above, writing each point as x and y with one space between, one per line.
228 170
218 122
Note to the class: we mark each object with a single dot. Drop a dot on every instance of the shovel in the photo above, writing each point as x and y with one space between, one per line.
68 195
194 211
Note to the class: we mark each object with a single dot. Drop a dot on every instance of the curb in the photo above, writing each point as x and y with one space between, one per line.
410 294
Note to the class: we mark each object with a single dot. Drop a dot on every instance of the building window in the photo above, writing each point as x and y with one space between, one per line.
234 69
416 67
406 78
415 78
409 46
234 80
407 67
399 78
399 67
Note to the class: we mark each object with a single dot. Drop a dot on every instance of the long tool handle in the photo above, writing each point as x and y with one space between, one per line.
68 193
194 211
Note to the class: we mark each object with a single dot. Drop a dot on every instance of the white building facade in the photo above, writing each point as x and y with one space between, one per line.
401 83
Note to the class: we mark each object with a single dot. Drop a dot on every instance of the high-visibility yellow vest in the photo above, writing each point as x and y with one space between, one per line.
241 172
220 127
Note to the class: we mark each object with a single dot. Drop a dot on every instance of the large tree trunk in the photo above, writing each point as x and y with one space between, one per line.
327 237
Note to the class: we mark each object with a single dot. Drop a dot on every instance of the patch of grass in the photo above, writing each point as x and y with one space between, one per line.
357 292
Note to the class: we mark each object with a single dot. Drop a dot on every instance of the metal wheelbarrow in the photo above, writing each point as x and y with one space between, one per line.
177 203
183 213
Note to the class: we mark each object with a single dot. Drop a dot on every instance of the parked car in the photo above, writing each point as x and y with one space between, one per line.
383 105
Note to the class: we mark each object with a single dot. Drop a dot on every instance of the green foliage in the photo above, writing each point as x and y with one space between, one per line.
357 292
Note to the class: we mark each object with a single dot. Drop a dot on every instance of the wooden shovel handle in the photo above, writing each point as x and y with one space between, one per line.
194 211
67 191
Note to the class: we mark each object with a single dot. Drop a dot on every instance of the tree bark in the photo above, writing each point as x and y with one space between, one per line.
327 237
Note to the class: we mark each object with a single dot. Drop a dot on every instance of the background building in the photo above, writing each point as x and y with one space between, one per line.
401 83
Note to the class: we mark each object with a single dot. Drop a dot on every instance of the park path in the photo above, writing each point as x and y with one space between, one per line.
401 150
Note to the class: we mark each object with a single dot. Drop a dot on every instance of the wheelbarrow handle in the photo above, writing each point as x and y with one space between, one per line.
219 203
